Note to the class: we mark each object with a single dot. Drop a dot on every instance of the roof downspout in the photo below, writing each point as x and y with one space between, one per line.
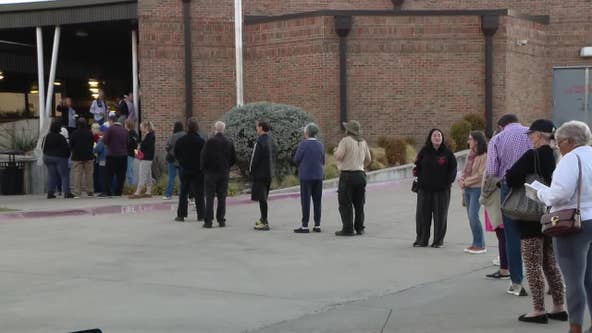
489 26
343 26
188 58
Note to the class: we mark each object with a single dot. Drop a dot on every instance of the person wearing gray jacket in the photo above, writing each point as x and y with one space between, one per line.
170 158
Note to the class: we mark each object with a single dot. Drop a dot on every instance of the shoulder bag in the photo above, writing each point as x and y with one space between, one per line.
519 207
566 221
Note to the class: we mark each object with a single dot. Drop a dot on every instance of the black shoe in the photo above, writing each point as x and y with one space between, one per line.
542 319
561 316
343 233
316 229
200 219
51 196
437 245
179 219
418 244
497 276
103 195
301 230
221 224
69 196
207 225
90 194
360 232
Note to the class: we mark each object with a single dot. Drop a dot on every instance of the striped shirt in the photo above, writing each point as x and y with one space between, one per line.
506 148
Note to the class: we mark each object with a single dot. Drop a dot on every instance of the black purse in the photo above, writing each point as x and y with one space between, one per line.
415 186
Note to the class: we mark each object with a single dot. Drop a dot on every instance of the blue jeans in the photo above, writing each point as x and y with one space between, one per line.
513 245
574 255
473 206
130 171
311 189
172 176
57 173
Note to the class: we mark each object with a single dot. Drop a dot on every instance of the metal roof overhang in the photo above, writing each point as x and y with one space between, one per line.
51 13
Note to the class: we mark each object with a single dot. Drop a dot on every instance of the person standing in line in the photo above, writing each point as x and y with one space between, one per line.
352 155
170 158
217 156
537 249
55 156
146 155
435 169
132 144
574 251
188 152
69 116
100 170
115 139
261 171
503 151
310 159
81 145
99 108
470 183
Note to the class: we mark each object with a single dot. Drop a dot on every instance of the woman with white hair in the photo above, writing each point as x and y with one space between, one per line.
574 252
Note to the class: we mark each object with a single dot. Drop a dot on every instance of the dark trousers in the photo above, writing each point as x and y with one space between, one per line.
216 186
57 173
116 167
351 197
311 189
432 204
191 182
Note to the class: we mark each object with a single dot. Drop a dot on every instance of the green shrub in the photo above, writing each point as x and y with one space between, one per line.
331 171
234 189
476 120
375 165
379 155
396 151
459 133
286 124
410 153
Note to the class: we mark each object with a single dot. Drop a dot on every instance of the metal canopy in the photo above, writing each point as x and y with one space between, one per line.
52 13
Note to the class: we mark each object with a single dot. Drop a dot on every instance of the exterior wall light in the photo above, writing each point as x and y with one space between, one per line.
586 52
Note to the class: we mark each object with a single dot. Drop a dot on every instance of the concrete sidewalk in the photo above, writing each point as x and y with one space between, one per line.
141 272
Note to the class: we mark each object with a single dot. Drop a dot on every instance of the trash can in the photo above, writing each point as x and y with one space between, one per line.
12 175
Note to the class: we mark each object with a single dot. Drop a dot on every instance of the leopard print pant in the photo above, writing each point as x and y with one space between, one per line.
538 257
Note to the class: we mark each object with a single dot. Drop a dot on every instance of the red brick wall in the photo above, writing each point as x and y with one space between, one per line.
533 7
570 30
280 7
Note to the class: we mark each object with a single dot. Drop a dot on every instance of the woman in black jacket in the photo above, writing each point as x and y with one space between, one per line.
537 249
55 156
132 145
146 155
435 169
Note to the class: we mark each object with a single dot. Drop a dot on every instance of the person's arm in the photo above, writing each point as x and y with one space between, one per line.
516 175
257 152
492 167
93 108
178 150
232 158
564 183
339 152
418 161
299 154
107 137
367 155
452 167
322 153
203 156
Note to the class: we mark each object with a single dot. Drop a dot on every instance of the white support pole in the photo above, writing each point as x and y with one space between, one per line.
52 71
238 34
135 71
40 79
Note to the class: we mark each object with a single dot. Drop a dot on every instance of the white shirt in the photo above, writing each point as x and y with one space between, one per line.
99 112
563 191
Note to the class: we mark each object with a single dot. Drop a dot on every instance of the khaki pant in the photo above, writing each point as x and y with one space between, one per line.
83 176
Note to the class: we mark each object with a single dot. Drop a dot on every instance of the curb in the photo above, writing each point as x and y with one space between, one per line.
157 206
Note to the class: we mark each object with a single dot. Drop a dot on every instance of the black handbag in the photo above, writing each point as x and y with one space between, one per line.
566 221
518 206
415 186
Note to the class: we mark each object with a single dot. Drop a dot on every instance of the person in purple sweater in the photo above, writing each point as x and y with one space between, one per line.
115 139
310 159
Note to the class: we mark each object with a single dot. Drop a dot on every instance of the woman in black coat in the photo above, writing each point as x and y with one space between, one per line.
435 169
55 156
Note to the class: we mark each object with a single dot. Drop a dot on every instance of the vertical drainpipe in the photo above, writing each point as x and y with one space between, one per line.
489 26
188 67
343 26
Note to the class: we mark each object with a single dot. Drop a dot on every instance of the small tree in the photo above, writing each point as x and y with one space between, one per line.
459 132
287 123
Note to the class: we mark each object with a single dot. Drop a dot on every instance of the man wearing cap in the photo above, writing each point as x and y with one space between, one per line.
503 151
352 155
310 159
115 139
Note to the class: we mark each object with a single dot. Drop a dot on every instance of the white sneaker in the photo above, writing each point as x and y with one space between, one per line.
496 261
166 198
477 250
517 290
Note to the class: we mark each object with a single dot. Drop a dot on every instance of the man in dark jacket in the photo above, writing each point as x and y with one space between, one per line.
115 139
217 156
261 172
81 146
188 153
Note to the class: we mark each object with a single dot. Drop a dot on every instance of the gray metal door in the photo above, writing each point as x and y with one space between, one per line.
572 94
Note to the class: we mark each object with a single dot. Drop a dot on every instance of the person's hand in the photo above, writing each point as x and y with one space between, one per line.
461 183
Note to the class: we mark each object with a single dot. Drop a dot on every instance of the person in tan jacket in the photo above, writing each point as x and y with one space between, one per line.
470 183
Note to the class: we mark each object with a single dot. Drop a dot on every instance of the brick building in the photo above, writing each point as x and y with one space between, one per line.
399 67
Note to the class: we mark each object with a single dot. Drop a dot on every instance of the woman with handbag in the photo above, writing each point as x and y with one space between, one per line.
145 154
470 183
537 249
571 189
435 169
